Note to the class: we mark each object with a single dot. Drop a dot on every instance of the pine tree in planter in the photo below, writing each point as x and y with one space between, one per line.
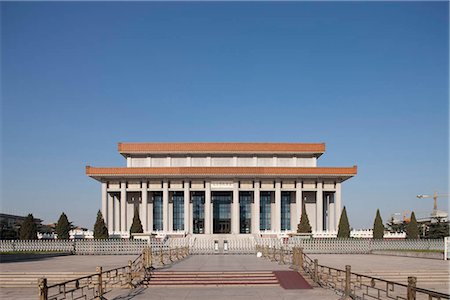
344 226
63 227
378 227
100 230
136 227
412 229
304 226
28 229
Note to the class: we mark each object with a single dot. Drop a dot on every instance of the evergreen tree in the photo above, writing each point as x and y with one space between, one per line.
395 226
28 230
344 226
63 227
378 228
412 229
438 229
136 227
100 230
304 226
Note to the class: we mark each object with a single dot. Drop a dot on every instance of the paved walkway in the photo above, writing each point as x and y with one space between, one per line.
224 263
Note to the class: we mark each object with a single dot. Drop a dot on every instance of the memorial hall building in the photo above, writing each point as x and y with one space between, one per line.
220 188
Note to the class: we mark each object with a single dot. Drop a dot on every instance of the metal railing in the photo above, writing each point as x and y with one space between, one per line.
96 285
345 283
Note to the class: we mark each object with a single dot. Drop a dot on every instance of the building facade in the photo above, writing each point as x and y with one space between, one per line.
220 188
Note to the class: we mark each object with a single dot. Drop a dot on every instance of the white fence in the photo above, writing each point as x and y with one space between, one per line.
211 245
81 247
360 233
363 245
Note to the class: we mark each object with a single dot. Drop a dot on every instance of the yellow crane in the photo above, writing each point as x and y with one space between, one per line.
435 196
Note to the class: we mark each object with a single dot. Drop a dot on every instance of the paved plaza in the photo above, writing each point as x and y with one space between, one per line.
359 263
72 263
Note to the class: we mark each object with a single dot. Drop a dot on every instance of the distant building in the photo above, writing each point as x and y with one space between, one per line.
10 225
221 188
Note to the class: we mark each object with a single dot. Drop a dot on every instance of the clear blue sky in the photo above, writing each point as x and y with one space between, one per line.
368 79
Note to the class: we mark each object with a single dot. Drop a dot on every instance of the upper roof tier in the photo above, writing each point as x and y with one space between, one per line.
315 149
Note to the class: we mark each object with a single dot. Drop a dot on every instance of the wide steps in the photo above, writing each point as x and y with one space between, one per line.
30 279
166 278
431 277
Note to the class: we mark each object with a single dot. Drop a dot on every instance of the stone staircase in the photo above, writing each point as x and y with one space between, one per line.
30 279
210 278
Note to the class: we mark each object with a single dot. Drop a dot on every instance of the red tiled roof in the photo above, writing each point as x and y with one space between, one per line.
221 147
266 171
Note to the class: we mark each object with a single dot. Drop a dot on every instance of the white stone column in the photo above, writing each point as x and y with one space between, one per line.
235 209
165 206
117 210
123 207
144 206
331 214
319 206
171 213
187 221
277 225
208 209
337 204
255 207
293 212
110 213
150 217
105 203
298 202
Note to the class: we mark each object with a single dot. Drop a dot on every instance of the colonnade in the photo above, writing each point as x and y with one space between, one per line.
119 202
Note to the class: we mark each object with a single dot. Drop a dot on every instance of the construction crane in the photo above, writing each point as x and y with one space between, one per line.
435 196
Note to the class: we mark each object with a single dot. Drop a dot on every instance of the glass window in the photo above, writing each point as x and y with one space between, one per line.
245 213
198 212
285 210
178 210
157 211
264 211
221 211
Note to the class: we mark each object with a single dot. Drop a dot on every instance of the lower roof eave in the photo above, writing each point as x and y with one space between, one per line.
118 177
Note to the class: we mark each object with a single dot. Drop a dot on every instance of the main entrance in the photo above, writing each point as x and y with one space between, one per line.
221 211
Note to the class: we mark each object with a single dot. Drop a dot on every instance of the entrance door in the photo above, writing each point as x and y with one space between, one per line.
222 211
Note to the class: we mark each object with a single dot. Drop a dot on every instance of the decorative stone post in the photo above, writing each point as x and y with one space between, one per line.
348 289
411 292
130 274
100 291
316 270
300 259
43 289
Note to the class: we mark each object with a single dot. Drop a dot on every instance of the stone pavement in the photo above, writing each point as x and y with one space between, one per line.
359 263
72 263
224 263
369 263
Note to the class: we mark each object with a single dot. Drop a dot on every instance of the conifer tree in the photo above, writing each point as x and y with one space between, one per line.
28 229
344 226
63 227
136 226
304 226
100 230
378 227
412 229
